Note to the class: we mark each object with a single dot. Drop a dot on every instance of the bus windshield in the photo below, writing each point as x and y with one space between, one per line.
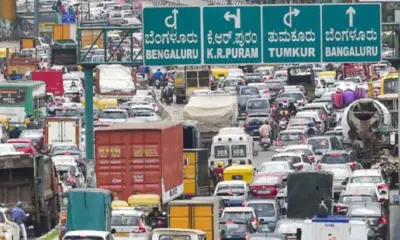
12 95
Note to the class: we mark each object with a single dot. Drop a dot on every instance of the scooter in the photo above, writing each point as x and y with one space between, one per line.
158 84
265 143
283 122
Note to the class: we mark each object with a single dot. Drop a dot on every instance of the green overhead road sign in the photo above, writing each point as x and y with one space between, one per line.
172 36
221 35
232 35
292 34
351 33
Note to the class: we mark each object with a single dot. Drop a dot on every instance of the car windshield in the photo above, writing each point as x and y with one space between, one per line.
30 134
253 77
233 188
267 180
257 104
290 228
263 209
335 158
340 173
232 228
363 210
297 96
21 145
290 136
318 143
123 220
66 112
292 159
113 115
355 198
82 238
239 215
249 91
274 168
306 151
366 179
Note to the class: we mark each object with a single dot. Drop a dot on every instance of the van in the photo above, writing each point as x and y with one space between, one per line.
235 146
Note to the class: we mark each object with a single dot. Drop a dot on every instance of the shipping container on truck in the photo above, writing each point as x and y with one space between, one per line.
196 177
143 158
33 181
53 79
62 130
21 65
201 214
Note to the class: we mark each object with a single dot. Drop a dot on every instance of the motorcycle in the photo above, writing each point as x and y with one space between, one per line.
159 222
265 143
283 122
168 100
158 84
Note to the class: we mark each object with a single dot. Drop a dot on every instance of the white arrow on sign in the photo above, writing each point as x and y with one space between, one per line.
228 16
351 12
170 21
295 12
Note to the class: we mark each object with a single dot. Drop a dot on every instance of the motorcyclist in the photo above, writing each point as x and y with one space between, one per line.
76 98
32 124
265 130
15 132
230 163
292 109
155 213
168 92
219 171
18 216
158 75
278 110
311 129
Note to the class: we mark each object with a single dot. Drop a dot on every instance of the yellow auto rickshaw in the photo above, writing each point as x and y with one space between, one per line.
144 201
119 204
104 103
239 172
5 121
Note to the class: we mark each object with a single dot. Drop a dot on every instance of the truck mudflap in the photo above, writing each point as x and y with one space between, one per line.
172 194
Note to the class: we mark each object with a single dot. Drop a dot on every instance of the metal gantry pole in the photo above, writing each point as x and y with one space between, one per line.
398 120
36 18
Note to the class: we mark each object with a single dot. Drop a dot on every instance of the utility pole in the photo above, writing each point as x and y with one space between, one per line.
36 18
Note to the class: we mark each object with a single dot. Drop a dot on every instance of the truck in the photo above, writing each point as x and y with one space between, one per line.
62 130
213 111
115 81
201 214
77 214
53 79
196 174
63 53
361 123
190 79
33 181
143 158
21 65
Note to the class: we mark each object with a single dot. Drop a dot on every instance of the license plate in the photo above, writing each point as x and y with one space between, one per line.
264 192
122 234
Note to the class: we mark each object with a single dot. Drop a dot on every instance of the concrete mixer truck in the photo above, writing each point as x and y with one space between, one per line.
361 124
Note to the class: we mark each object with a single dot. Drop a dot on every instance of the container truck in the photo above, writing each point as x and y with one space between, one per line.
33 181
53 79
143 158
200 214
62 130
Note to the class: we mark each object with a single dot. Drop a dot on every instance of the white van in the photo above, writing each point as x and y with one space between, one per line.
232 145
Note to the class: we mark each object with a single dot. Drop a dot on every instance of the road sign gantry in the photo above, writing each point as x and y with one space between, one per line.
220 35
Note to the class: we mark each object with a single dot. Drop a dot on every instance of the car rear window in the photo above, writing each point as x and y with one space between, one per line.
366 179
239 215
335 159
123 220
356 198
249 91
365 210
273 84
318 143
21 145
266 180
308 152
255 121
263 209
292 159
301 121
257 104
290 136
232 228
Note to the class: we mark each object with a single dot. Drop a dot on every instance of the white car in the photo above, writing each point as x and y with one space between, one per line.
148 99
370 176
113 115
263 89
130 224
72 170
365 187
235 72
299 160
306 149
9 229
280 75
247 213
7 148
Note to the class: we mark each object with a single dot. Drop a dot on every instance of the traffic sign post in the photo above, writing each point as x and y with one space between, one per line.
219 35
232 34
172 36
292 34
351 33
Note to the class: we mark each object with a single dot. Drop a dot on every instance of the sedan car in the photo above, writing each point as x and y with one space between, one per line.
235 228
339 157
323 144
352 196
263 88
23 145
114 115
257 106
299 160
291 137
251 78
276 167
266 185
304 148
253 123
233 193
36 136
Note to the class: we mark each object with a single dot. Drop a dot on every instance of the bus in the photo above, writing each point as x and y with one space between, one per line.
18 99
389 83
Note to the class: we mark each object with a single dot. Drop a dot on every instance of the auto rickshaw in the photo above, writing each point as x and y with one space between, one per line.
239 172
144 201
119 204
5 121
104 103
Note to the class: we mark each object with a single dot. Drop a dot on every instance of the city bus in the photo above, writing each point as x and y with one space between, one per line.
18 99
389 83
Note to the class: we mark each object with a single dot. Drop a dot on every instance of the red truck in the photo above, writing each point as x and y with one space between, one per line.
140 159
53 79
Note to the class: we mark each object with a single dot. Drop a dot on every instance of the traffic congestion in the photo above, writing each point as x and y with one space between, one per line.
256 150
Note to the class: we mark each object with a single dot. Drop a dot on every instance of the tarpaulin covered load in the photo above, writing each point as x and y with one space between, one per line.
89 209
305 190
212 111
115 78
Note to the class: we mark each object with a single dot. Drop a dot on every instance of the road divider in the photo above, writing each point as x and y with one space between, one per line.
162 111
51 235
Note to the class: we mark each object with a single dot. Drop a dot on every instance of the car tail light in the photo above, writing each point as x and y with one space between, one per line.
245 113
299 167
304 140
249 161
319 166
382 220
154 105
277 143
244 203
141 229
339 208
352 165
276 186
311 158
255 221
323 116
267 91
262 79
382 187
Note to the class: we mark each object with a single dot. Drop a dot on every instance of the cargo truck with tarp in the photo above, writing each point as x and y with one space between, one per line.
212 111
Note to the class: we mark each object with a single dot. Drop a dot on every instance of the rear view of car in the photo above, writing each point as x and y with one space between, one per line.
266 185
235 229
289 137
129 224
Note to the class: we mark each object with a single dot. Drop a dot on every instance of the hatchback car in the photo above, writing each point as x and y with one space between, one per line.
263 88
253 78
300 99
236 228
114 115
253 123
291 137
304 148
247 213
267 210
339 157
351 196
323 144
233 193
276 167
130 223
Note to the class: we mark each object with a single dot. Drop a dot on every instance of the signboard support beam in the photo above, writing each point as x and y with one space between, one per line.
36 18
89 133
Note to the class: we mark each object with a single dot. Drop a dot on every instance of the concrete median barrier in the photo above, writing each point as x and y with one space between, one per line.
165 115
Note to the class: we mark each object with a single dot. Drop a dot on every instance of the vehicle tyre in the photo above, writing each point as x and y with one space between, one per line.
37 229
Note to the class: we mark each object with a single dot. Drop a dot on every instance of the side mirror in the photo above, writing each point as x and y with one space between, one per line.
345 181
298 234
113 231
383 192
223 232
261 220
76 174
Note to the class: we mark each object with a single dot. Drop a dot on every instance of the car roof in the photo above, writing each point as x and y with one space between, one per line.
261 201
336 152
293 130
366 172
232 182
274 163
238 209
299 146
320 137
239 220
293 154
127 211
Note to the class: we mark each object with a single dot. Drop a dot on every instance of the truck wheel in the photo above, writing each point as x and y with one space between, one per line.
179 100
37 230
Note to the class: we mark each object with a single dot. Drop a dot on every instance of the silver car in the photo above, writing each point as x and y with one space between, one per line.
263 88
257 105
267 210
